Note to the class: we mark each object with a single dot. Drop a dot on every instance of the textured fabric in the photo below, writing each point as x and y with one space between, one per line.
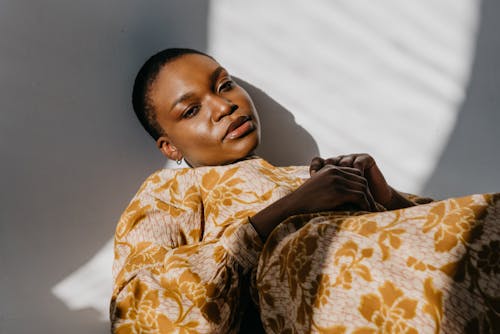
186 255
184 247
432 268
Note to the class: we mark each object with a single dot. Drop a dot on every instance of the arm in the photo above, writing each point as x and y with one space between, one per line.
166 279
401 200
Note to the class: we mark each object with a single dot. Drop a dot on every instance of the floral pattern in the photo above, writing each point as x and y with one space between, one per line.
388 312
139 308
432 268
186 255
489 261
454 219
349 261
184 247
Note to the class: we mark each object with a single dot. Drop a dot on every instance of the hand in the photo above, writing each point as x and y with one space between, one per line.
365 164
331 187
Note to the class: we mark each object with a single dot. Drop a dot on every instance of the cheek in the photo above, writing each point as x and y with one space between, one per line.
196 136
202 132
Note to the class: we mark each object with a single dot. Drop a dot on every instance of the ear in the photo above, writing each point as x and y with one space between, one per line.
168 149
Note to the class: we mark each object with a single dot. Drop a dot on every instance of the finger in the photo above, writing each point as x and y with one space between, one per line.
354 175
371 201
358 184
351 182
363 162
343 171
349 170
359 198
346 194
316 164
333 161
346 161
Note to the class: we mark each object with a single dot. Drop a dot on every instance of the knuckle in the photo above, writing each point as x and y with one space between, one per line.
356 171
331 170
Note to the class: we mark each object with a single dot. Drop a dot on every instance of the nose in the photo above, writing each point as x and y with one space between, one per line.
222 107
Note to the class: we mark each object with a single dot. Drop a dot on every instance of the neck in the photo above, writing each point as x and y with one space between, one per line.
247 157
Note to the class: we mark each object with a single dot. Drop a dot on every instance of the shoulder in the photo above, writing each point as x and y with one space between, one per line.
167 184
266 168
166 191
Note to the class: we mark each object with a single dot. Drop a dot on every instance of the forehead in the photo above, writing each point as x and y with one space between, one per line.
182 75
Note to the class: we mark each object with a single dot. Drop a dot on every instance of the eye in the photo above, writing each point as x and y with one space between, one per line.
227 85
191 112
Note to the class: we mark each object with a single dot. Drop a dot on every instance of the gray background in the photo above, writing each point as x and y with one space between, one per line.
471 160
72 153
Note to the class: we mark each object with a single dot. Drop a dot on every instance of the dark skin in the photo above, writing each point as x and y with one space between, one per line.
196 101
346 179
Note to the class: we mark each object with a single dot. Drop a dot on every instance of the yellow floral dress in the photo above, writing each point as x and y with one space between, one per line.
431 268
187 260
184 247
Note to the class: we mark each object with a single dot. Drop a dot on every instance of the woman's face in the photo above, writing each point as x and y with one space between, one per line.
206 117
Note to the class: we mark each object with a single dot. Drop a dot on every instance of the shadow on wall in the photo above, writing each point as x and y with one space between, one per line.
76 152
283 141
469 163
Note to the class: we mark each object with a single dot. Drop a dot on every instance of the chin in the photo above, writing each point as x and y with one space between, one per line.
248 145
235 151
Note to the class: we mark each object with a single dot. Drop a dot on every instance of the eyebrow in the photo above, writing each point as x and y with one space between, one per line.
213 79
215 75
181 99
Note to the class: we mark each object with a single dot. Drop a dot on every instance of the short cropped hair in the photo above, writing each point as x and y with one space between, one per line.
141 101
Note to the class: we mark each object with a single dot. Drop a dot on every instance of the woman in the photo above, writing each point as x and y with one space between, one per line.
187 248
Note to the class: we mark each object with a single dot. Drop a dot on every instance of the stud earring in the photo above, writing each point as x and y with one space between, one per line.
178 161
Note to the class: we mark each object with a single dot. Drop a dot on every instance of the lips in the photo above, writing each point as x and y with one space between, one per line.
235 125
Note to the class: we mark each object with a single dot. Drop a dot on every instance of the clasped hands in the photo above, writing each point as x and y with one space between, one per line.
345 179
335 183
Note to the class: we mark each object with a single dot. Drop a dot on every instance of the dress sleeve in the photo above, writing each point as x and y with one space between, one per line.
166 279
